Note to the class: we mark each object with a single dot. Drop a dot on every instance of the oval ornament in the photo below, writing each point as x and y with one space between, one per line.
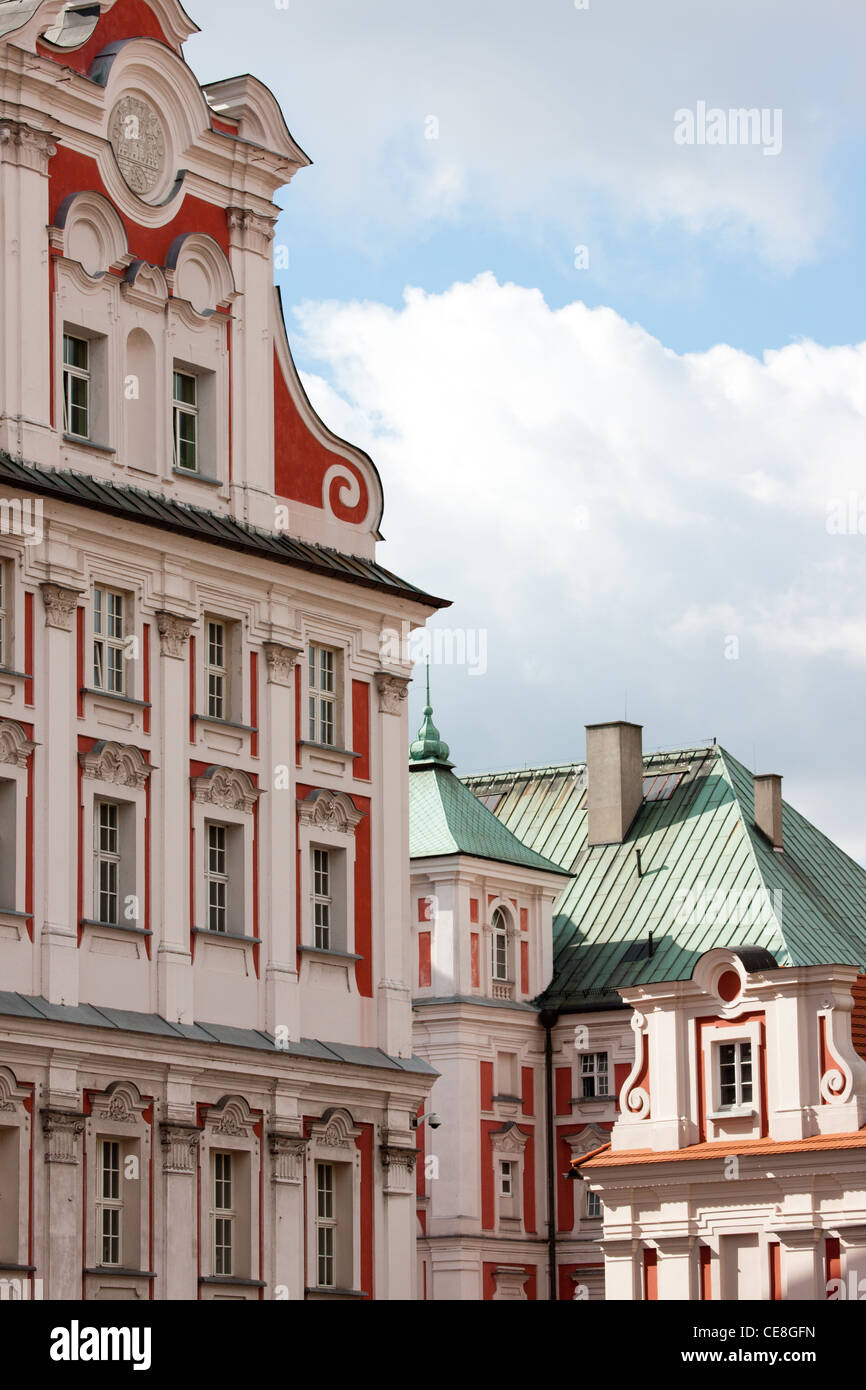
138 140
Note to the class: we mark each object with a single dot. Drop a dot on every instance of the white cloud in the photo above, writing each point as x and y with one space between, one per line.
550 109
610 511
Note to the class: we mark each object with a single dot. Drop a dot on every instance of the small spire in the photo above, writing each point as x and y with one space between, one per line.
428 746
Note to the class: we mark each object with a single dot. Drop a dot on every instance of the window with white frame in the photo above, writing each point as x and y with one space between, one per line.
326 1226
5 613
322 900
109 633
500 945
593 1204
107 860
76 386
109 1211
734 1074
223 1213
217 877
217 670
506 1177
594 1075
185 406
322 694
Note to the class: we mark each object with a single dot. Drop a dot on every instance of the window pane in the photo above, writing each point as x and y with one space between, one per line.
184 388
75 352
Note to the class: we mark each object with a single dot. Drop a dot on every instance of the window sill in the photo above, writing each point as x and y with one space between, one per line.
113 695
17 1269
197 477
734 1112
327 748
325 954
81 442
334 1293
592 1100
227 936
22 675
115 926
13 912
224 723
119 1269
233 1279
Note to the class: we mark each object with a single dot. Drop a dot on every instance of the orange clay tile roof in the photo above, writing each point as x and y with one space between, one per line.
606 1158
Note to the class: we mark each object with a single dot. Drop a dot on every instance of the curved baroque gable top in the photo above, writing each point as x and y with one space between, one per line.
228 787
119 763
327 810
15 746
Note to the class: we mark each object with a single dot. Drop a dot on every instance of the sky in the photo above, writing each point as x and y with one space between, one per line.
606 342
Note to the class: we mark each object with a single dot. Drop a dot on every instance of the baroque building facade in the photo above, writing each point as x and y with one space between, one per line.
207 1081
653 1070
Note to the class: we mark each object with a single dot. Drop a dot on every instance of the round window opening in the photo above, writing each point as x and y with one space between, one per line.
729 986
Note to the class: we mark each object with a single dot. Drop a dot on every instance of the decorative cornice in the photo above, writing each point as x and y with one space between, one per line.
393 691
227 787
62 1129
281 662
173 634
15 746
119 763
60 605
327 810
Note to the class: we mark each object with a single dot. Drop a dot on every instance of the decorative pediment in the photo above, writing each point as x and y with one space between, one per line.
590 1137
335 1130
233 1116
327 810
118 763
227 787
146 285
15 746
120 1102
11 1094
509 1139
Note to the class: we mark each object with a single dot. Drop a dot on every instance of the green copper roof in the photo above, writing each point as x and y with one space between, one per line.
706 876
445 818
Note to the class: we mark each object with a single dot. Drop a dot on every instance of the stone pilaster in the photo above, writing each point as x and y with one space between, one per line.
170 808
180 1157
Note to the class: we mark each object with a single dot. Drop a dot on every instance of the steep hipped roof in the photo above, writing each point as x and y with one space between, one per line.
445 818
705 876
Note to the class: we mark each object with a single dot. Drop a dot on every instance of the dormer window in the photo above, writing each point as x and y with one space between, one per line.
735 1075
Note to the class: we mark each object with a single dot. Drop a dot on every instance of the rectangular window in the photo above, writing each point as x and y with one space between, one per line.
322 695
217 878
735 1074
326 1227
185 404
110 1206
217 671
108 640
322 901
593 1204
5 614
76 386
224 1214
106 828
506 1178
594 1075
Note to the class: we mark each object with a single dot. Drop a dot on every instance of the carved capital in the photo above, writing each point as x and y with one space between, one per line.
60 606
179 1148
251 229
173 634
26 146
393 690
398 1161
61 1129
288 1152
281 662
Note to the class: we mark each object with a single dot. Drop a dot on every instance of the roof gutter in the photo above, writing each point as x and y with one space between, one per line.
547 1018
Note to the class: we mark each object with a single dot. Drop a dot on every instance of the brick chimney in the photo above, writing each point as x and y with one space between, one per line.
614 771
768 807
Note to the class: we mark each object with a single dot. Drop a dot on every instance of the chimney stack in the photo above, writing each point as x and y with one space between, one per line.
614 771
768 807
